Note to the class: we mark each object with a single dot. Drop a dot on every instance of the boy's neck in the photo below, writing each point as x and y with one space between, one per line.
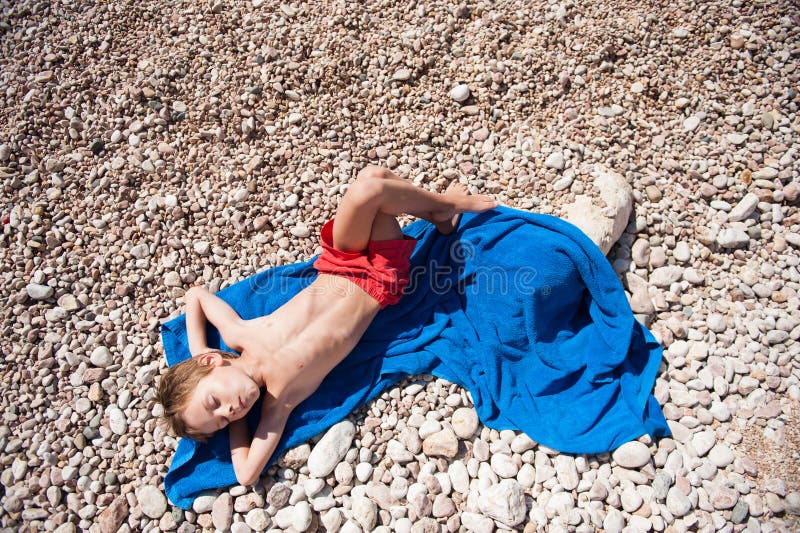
252 367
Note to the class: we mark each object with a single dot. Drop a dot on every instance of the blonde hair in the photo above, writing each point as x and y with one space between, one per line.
175 389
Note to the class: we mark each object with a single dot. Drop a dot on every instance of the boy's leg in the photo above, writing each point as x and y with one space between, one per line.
387 228
384 228
388 174
373 194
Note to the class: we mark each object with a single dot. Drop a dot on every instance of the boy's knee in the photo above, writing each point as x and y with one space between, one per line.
194 291
366 189
372 171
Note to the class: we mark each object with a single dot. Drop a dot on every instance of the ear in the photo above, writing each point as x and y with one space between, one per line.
209 359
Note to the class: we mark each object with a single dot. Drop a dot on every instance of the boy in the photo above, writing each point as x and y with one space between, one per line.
364 267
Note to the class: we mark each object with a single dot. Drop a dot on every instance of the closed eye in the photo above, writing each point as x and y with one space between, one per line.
216 404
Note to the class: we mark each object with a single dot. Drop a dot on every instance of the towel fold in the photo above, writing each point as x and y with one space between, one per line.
521 309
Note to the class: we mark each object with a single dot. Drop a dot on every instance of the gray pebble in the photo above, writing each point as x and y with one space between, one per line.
678 503
661 484
776 336
39 292
792 503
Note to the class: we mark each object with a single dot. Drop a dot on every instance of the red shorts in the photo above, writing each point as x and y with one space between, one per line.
382 269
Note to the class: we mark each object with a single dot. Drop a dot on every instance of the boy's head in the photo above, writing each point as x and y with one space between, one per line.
205 393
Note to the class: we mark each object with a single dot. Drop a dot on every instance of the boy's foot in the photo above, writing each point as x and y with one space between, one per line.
446 221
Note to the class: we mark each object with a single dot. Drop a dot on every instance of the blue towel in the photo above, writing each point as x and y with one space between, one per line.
521 309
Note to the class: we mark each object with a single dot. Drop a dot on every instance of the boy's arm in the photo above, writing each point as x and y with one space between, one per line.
250 458
240 444
202 305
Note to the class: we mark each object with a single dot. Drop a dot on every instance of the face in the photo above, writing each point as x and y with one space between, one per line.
226 394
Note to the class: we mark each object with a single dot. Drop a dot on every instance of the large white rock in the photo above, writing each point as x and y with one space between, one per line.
640 297
632 454
117 420
744 208
398 453
603 225
614 522
297 516
460 93
476 522
503 465
464 422
331 449
703 442
152 501
204 502
332 519
522 443
733 238
666 276
555 160
365 511
566 472
504 502
560 503
459 477
101 357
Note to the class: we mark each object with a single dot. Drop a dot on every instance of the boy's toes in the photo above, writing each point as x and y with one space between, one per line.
456 187
483 202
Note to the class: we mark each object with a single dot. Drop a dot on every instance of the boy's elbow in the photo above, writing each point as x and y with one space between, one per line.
242 475
246 480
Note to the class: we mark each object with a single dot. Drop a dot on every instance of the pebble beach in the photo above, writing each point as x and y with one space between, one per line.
149 146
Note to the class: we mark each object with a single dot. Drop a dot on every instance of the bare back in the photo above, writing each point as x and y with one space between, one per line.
304 339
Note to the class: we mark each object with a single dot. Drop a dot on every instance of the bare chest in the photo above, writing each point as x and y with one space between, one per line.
302 341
